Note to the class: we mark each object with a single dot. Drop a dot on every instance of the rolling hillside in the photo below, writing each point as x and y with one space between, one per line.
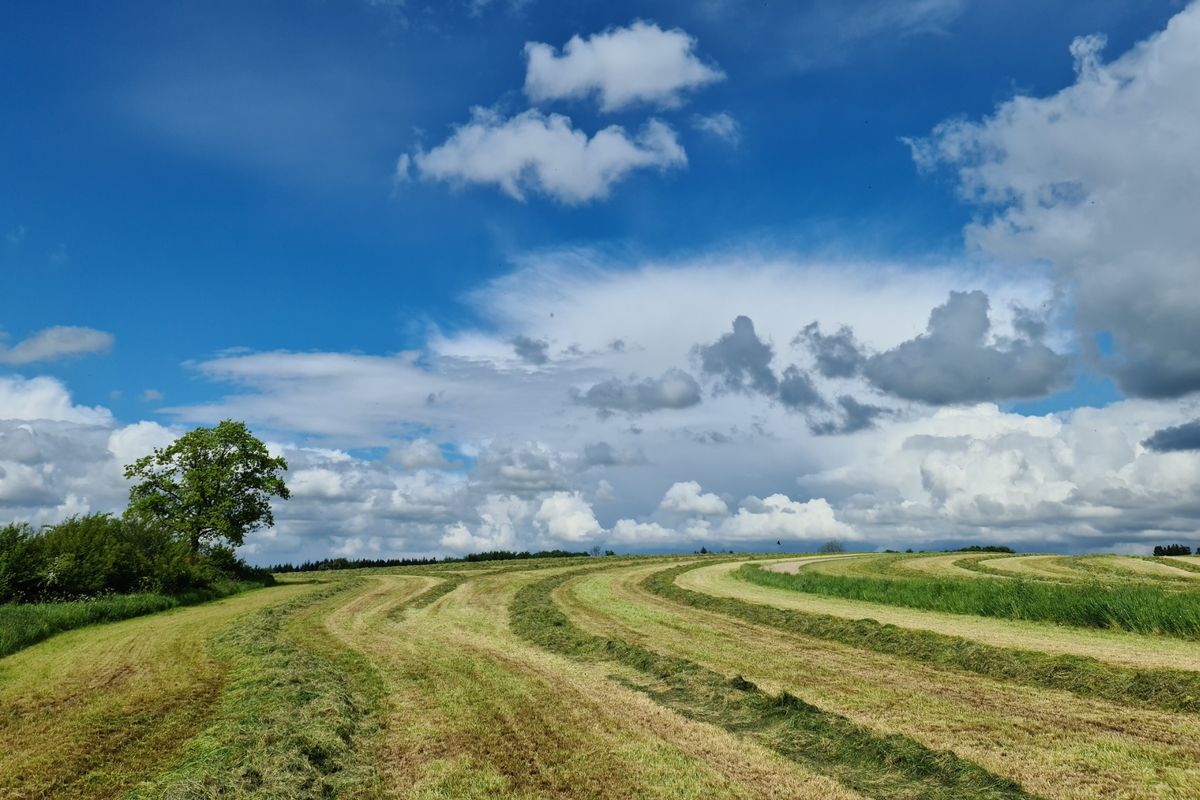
670 677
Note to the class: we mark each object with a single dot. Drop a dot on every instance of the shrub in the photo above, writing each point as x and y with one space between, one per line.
97 554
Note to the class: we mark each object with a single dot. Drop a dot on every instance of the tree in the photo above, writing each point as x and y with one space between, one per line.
210 484
832 546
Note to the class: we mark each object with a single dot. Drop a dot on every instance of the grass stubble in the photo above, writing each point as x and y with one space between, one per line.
476 712
575 679
1055 744
873 764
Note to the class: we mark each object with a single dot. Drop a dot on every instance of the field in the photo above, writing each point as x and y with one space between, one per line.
969 675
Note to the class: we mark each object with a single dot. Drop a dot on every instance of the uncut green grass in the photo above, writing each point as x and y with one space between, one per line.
1165 689
25 624
889 767
1134 607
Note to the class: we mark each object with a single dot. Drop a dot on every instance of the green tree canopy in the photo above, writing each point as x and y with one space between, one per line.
210 484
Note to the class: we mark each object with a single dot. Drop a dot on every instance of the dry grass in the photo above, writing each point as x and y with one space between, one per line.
942 566
91 712
476 712
1055 744
1126 649
412 684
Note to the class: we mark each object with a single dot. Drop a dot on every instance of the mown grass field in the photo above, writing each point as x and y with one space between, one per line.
851 676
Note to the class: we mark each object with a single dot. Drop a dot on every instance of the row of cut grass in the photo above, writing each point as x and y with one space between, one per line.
93 711
1133 607
1052 743
477 713
298 719
24 624
881 766
1169 690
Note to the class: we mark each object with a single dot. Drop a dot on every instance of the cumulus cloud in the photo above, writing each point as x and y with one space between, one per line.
45 398
855 416
674 389
55 344
420 453
720 125
797 390
780 517
837 355
740 359
686 498
603 454
544 154
629 532
522 434
1101 179
953 361
522 469
532 351
622 66
1177 438
500 519
1078 479
567 517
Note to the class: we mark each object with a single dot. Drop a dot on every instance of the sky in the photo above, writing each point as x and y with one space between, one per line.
511 274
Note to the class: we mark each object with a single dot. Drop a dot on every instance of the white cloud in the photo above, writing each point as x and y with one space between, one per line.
501 518
1081 478
54 344
44 399
131 442
420 453
567 518
720 125
1102 179
529 455
686 498
544 154
623 66
632 533
780 517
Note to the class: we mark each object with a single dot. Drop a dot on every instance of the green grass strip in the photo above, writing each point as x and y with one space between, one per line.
1134 607
1163 689
887 767
298 720
1187 566
25 624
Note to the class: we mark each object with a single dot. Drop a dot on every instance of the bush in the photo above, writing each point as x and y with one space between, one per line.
97 554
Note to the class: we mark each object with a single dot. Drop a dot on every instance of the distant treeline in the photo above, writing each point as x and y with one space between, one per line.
984 548
96 555
362 563
1172 550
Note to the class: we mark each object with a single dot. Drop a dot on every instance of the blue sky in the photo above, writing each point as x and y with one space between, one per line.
214 186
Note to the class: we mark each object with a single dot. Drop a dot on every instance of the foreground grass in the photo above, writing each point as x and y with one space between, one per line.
1129 606
24 624
297 719
91 712
1169 690
881 766
475 712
